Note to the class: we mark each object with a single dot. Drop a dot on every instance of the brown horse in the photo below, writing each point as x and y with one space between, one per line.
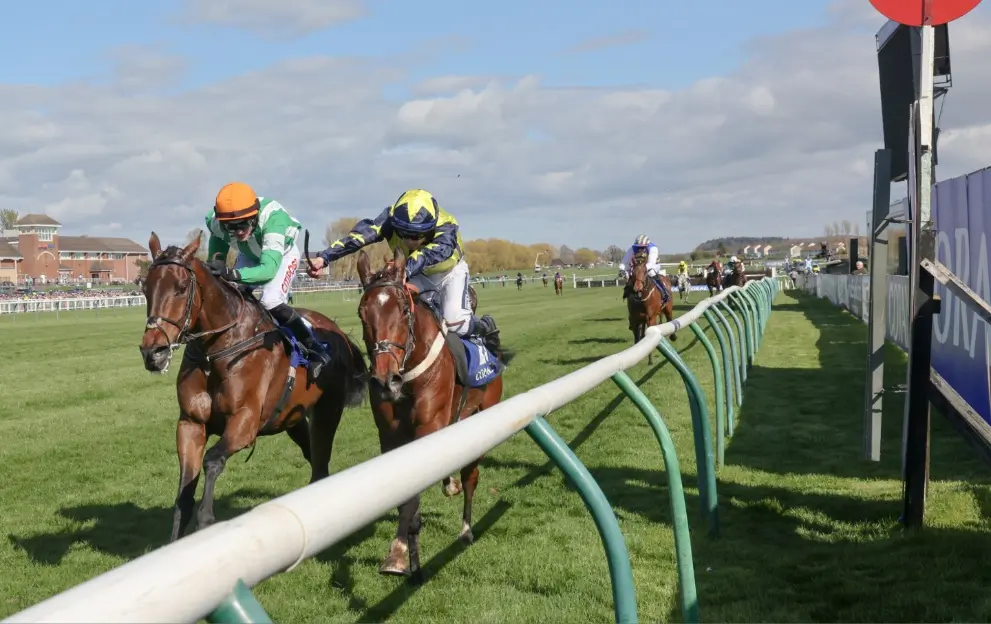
644 302
237 379
416 387
736 278
559 285
544 278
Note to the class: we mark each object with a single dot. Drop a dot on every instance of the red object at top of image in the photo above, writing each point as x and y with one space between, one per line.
924 12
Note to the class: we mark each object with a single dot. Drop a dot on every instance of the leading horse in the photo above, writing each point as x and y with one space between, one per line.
421 380
644 303
241 376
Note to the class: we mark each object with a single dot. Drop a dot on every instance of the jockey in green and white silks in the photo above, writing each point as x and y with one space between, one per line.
265 235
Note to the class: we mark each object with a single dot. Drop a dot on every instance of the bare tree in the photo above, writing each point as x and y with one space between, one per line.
8 218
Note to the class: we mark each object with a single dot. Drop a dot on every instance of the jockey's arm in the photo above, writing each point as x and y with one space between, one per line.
652 266
365 232
218 242
627 257
442 247
274 244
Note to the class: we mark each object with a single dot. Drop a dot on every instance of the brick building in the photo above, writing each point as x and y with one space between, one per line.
34 248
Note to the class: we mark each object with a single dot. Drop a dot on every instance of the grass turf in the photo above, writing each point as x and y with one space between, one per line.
809 531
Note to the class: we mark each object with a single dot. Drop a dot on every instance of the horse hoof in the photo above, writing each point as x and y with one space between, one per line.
673 337
467 537
416 578
391 567
453 488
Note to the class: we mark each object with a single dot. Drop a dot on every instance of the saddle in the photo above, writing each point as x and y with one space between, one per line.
475 362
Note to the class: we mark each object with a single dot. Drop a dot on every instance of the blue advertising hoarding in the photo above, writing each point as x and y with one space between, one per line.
961 343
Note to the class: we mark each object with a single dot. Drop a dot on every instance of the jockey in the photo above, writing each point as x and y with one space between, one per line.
642 244
732 264
268 256
683 268
430 239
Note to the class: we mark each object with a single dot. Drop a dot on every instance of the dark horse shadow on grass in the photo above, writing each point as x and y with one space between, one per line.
123 529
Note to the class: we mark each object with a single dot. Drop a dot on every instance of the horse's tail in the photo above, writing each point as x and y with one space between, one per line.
505 355
348 362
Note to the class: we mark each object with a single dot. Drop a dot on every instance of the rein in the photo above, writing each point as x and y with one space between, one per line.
184 336
388 347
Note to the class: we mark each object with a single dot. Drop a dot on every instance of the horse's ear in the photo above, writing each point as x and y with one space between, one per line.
154 246
190 250
399 261
364 268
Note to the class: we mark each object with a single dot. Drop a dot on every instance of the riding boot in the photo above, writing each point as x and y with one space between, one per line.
486 329
665 295
294 322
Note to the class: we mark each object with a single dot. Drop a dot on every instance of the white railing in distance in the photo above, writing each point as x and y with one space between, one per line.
186 580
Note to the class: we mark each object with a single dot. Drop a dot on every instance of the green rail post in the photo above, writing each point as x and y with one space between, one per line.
679 513
727 356
747 302
241 607
740 301
734 351
740 334
717 380
754 298
703 437
754 295
736 307
620 572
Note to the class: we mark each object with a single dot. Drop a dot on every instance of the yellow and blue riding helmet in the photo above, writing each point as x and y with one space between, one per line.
414 213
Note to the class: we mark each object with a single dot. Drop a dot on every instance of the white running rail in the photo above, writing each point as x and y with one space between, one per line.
186 580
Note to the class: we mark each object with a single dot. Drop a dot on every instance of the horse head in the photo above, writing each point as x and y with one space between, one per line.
387 315
638 274
174 289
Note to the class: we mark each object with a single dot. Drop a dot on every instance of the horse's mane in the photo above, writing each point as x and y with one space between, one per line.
174 253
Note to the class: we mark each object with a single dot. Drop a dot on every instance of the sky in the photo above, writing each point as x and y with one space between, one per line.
580 123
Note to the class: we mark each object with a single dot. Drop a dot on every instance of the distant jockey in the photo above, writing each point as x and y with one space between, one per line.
642 245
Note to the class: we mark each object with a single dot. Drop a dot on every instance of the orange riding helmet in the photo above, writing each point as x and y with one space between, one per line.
236 202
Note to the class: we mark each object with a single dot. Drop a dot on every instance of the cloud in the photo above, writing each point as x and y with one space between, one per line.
783 145
594 44
275 18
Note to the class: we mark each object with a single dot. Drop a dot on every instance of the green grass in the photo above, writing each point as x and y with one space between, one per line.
809 531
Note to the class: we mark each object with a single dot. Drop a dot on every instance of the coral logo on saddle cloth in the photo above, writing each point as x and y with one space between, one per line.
290 273
483 367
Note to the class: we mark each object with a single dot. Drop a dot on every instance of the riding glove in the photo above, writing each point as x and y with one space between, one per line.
220 269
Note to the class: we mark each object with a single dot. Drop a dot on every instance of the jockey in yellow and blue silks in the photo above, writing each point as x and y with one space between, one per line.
643 245
430 239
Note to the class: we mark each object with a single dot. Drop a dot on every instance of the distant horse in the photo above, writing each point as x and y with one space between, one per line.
684 287
736 278
519 282
559 285
644 302
240 374
544 278
418 386
713 278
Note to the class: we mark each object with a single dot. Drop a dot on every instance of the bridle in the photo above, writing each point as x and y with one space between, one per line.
648 284
184 336
388 347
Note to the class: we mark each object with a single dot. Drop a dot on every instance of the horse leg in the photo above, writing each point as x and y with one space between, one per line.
190 442
300 435
323 429
241 430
